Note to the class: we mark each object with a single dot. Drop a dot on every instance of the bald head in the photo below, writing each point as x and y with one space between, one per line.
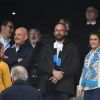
22 30
21 35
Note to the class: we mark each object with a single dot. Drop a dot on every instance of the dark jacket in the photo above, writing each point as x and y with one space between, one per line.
35 73
1 97
70 67
25 52
20 90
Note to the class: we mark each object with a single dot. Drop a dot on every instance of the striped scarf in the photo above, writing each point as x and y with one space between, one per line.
57 55
90 69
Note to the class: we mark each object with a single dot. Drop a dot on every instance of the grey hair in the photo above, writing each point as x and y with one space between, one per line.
37 31
19 73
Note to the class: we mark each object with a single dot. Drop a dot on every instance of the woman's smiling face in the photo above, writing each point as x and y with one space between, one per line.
94 41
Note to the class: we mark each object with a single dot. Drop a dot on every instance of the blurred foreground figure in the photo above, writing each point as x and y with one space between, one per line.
20 90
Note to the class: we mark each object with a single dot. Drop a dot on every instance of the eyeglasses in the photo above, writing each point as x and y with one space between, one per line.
60 30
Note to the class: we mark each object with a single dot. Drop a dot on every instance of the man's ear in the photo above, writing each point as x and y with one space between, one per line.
12 79
26 37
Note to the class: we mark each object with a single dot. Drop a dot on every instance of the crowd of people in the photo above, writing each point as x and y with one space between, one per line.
68 65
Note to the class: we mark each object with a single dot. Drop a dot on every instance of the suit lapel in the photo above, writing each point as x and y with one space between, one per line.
50 52
64 50
63 53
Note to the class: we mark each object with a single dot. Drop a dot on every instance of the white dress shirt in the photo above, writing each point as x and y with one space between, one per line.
58 46
6 44
91 23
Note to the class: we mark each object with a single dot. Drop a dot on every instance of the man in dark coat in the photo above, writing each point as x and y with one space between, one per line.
59 62
35 40
21 53
20 90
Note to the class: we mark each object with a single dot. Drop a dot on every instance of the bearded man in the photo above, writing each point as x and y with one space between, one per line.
59 62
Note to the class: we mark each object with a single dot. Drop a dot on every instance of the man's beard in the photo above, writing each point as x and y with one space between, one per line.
34 40
59 37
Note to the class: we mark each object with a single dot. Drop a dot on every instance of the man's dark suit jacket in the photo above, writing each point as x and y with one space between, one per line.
70 67
20 90
25 52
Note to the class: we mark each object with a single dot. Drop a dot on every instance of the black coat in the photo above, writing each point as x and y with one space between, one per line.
70 67
35 73
25 52
20 90
1 97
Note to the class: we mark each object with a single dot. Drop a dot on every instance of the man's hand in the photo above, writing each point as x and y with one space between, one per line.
58 74
79 91
53 80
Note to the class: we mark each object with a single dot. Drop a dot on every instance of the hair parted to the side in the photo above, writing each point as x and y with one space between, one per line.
97 33
19 73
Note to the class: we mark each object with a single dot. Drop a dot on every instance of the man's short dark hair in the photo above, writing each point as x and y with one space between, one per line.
62 24
5 22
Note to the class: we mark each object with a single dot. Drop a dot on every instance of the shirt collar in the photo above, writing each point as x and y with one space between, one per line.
91 23
16 47
6 44
58 45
